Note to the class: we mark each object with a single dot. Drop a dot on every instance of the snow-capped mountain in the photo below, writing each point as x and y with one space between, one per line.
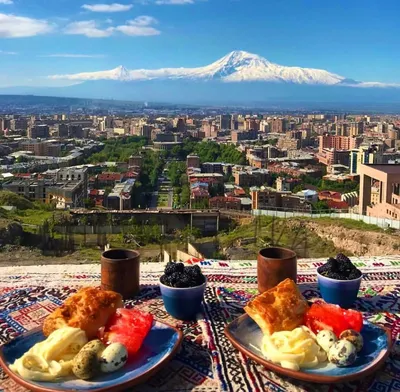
237 66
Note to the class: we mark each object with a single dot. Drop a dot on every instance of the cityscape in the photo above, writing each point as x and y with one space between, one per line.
199 195
190 175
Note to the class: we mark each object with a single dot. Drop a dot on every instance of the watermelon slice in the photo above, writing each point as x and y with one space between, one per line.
128 327
322 316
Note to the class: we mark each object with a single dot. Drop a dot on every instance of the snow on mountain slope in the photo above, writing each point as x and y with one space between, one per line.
236 66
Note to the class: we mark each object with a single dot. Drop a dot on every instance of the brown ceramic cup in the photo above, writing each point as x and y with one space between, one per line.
120 271
274 265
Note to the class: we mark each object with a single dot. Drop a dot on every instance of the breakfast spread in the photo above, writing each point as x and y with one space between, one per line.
92 334
179 275
339 268
89 335
298 336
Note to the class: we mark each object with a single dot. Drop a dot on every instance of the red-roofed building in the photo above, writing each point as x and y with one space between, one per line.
199 197
239 192
98 196
131 174
337 205
108 179
228 203
329 195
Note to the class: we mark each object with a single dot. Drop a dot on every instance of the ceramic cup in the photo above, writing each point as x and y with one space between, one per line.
339 292
183 303
274 265
120 271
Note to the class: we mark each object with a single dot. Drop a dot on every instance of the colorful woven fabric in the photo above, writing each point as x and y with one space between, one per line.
207 361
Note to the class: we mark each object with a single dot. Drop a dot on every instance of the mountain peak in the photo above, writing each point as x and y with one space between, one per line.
121 73
242 54
236 66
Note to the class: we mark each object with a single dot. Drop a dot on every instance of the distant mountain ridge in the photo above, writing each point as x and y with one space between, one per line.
237 66
239 78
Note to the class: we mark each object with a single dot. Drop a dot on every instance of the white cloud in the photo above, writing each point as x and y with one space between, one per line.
88 28
3 52
12 26
115 7
75 56
7 2
140 26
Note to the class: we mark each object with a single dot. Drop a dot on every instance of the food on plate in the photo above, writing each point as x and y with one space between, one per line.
177 275
326 339
128 327
294 349
353 337
53 357
342 353
340 268
114 357
322 316
89 309
86 364
281 308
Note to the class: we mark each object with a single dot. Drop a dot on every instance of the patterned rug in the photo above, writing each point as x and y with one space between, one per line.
206 361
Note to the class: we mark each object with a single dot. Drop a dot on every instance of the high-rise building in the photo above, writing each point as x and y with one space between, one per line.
278 125
39 131
63 130
251 123
365 155
338 142
350 129
224 121
145 131
181 125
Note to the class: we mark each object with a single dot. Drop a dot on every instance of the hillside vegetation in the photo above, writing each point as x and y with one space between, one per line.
8 198
309 238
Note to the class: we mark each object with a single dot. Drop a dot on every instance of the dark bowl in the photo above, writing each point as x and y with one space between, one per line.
339 292
183 303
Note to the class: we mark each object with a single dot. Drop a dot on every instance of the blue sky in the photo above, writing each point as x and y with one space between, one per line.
354 38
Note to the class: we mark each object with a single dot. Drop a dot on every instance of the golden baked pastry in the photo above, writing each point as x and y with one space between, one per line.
89 309
281 308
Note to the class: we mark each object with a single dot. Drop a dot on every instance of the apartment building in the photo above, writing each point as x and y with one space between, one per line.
386 179
251 177
193 161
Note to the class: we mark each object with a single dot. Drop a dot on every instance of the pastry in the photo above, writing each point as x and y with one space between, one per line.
281 308
89 309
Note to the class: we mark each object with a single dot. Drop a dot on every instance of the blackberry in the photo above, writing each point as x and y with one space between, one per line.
355 274
174 278
164 280
337 276
341 258
184 281
330 265
172 267
193 271
200 280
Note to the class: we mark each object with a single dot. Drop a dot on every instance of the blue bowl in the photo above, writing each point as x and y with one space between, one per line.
183 303
339 292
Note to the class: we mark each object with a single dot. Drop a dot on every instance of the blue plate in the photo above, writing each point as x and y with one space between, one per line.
246 336
160 345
